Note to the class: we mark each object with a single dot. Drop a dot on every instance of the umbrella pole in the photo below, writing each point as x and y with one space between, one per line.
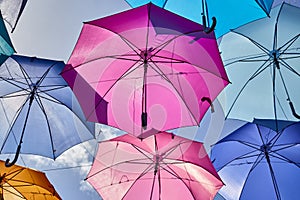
144 95
272 173
205 21
7 162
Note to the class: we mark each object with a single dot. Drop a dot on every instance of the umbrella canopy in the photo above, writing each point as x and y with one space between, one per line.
38 110
11 11
19 183
162 166
256 162
228 14
6 46
151 70
262 59
291 2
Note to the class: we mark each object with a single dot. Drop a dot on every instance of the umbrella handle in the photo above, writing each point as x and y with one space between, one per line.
9 164
209 101
212 27
144 120
294 111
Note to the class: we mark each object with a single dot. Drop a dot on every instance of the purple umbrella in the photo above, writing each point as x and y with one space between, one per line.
259 161
157 70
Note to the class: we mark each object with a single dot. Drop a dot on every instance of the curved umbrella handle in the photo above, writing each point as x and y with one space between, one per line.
294 111
9 164
210 103
213 25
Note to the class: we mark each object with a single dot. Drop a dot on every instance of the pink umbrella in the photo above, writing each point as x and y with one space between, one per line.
162 166
154 70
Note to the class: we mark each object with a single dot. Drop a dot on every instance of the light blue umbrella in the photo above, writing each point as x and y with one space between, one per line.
39 113
228 14
262 61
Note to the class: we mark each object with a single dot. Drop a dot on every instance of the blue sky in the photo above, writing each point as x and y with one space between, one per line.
49 29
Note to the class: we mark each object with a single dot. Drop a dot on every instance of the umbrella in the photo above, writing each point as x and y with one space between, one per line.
225 15
261 59
19 182
6 46
162 166
151 70
38 110
291 2
256 162
11 11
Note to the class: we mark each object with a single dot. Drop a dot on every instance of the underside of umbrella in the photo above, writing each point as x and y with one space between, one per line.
256 162
128 168
261 59
38 110
156 70
17 183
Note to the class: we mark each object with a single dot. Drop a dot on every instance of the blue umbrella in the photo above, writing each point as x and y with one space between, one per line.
262 59
256 162
38 110
228 14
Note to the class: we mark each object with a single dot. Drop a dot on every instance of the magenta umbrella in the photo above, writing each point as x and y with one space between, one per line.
154 70
162 166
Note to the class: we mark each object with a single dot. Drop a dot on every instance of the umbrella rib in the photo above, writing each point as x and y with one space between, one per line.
170 82
173 173
15 84
288 44
264 49
7 96
119 163
39 101
252 58
61 103
127 42
255 74
287 66
283 158
244 156
117 57
13 193
169 41
11 125
126 73
139 150
139 177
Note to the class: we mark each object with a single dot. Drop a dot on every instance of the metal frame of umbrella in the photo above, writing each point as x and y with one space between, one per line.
255 150
156 58
35 98
126 167
278 54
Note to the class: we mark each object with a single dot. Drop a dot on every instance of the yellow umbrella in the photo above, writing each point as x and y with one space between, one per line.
18 183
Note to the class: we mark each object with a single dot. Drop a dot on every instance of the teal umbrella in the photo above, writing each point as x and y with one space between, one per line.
6 46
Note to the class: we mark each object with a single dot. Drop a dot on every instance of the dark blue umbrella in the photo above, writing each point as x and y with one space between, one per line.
38 110
256 162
